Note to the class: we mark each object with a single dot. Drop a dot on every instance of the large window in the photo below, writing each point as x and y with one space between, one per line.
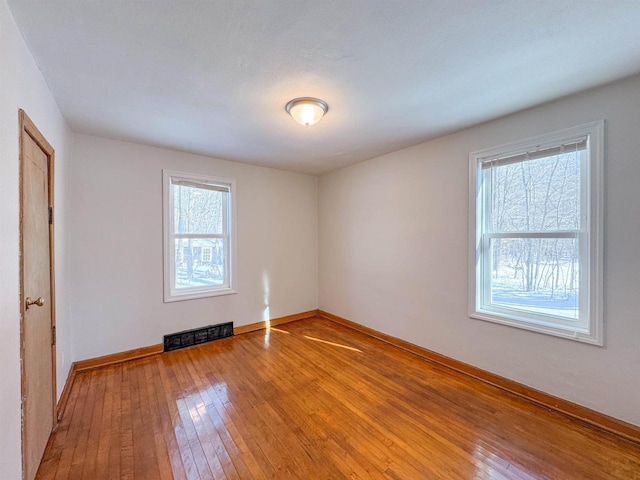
536 234
198 236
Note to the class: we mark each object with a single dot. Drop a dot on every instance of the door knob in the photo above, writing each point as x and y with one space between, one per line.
38 301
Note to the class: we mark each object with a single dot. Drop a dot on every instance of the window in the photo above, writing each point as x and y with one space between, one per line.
536 234
198 236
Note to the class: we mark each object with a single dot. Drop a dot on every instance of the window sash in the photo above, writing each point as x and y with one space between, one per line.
486 234
202 236
485 281
172 266
204 186
484 171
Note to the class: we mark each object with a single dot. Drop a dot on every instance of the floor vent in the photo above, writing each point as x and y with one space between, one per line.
197 336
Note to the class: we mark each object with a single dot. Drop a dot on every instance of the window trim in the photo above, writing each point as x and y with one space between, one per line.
593 333
170 293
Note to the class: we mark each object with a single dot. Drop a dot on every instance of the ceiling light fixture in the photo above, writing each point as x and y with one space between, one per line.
307 110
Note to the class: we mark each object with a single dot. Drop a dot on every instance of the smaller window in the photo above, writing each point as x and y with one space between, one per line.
199 236
536 234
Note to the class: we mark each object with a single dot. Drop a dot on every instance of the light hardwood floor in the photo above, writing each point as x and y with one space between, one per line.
314 400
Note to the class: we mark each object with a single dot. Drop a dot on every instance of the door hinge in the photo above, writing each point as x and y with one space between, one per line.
50 215
53 335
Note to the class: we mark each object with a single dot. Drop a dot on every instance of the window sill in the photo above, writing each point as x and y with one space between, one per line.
196 295
583 336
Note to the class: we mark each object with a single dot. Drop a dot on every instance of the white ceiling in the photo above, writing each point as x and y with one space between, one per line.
213 77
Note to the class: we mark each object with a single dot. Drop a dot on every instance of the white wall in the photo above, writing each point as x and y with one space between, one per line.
393 254
22 86
414 203
116 210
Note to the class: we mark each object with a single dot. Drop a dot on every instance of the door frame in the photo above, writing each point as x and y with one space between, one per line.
28 128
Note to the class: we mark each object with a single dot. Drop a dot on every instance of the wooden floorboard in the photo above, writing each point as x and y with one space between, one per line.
314 399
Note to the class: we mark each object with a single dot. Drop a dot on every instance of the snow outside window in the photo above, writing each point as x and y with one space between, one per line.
536 234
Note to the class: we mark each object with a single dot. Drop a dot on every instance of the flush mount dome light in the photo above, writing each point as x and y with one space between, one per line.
307 110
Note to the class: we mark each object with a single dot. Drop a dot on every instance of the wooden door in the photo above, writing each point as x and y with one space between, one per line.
37 327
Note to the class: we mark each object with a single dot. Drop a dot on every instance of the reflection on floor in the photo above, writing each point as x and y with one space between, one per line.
312 399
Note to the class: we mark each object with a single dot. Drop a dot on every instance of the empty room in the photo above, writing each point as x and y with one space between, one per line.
284 239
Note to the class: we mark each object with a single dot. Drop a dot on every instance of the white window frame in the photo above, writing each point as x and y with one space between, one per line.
172 294
590 326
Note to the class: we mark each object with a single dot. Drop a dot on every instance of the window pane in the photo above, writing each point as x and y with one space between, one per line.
199 262
537 195
198 210
537 275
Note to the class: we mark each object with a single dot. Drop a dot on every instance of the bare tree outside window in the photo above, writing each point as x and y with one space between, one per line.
539 195
536 233
200 260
